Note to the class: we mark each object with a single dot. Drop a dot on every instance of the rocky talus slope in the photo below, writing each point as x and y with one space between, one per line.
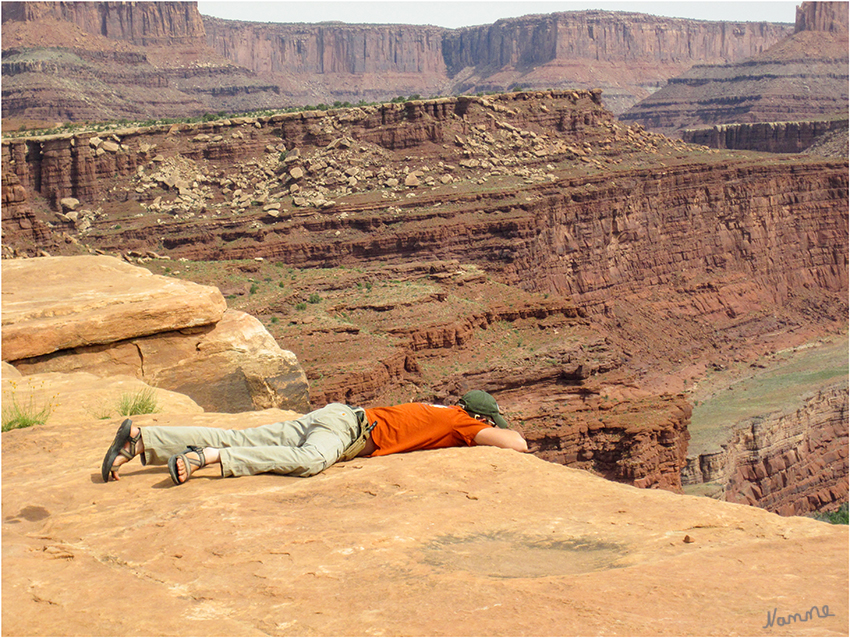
586 272
802 77
90 61
474 541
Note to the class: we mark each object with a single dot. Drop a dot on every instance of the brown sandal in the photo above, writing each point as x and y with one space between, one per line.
122 436
189 463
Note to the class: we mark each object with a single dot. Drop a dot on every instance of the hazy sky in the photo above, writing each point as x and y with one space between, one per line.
446 13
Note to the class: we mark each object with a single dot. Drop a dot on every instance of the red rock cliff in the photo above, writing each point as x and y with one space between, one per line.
328 49
140 23
310 64
606 36
822 16
790 463
631 51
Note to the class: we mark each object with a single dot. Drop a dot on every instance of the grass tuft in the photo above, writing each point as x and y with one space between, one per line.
141 402
22 414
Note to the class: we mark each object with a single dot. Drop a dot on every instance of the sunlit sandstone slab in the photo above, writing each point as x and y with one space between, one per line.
463 541
56 303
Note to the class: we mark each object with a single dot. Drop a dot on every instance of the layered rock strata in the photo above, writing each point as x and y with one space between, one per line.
140 23
790 463
641 443
58 303
802 77
562 240
771 137
145 60
81 165
628 55
96 61
631 54
682 254
100 315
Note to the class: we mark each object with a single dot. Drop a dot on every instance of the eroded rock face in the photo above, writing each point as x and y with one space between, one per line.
151 60
638 51
163 59
344 62
799 78
101 315
533 547
140 23
822 16
790 463
773 137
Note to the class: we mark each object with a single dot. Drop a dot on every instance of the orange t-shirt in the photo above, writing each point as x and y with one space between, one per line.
421 426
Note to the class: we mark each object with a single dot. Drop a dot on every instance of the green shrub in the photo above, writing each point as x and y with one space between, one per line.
23 414
141 402
301 306
839 517
314 298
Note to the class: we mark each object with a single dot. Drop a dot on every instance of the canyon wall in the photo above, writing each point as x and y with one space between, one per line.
822 16
771 137
204 64
328 48
645 451
691 227
689 256
139 23
802 77
630 51
102 61
790 463
605 36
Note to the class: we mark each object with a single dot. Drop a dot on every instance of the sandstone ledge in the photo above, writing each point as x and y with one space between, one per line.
104 316
56 303
475 541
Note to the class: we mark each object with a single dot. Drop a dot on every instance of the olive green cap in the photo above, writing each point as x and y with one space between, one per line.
478 402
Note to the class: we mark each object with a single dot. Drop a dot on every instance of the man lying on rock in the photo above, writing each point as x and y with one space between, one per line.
306 446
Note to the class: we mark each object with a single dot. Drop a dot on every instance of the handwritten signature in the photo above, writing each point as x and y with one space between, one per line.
781 621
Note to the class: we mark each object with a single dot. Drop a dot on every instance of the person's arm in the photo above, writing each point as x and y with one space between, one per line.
498 437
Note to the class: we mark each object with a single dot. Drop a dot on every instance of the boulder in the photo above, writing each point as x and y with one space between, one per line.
150 330
233 366
57 303
411 180
69 203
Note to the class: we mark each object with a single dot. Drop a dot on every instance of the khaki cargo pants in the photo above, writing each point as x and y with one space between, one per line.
302 447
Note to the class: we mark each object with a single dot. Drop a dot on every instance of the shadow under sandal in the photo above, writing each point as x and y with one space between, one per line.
189 463
122 436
